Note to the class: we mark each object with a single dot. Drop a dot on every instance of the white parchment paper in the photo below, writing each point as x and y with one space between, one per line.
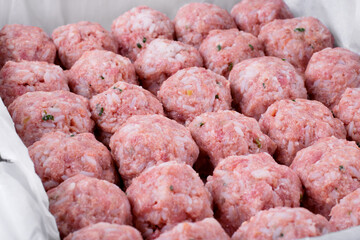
23 202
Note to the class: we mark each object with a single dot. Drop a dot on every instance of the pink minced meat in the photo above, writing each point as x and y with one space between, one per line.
295 39
110 109
105 231
162 58
18 78
58 156
283 223
259 82
329 170
81 201
330 72
97 70
208 229
20 42
222 49
251 15
146 140
193 91
241 186
346 213
194 21
297 124
348 111
74 39
226 133
165 195
36 113
137 27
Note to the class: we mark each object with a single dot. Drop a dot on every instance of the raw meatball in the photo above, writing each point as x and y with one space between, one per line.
18 78
346 213
295 39
19 42
81 201
257 83
146 140
329 170
194 21
97 70
283 223
244 185
165 195
58 156
105 231
251 15
162 58
226 133
348 111
36 113
297 124
113 107
74 39
137 27
330 72
208 229
222 49
193 91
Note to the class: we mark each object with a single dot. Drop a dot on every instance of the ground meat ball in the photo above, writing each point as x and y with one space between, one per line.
19 42
18 78
251 15
137 27
81 201
346 213
74 39
105 231
113 107
36 113
208 229
330 72
283 223
295 39
58 156
165 195
97 70
193 91
161 59
222 49
146 140
194 21
257 83
297 124
348 111
226 133
329 170
244 185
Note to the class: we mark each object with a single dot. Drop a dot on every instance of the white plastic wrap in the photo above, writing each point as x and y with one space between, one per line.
23 201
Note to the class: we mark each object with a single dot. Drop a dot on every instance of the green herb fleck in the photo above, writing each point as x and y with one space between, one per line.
312 46
216 96
47 117
171 188
252 47
299 30
341 167
264 85
293 100
101 77
230 65
201 124
283 59
139 45
258 143
72 135
101 111
218 47
281 234
301 197
144 39
118 89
